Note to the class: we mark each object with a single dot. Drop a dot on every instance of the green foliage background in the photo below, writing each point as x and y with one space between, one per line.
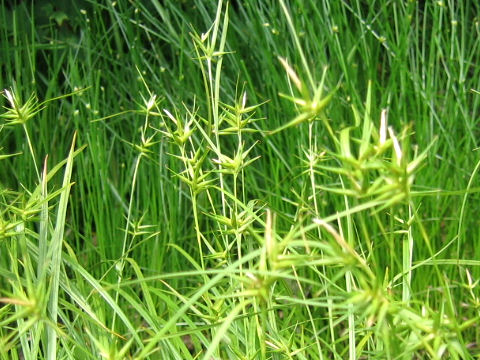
418 59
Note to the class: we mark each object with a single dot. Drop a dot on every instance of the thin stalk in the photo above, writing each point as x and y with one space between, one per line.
32 152
407 257
215 89
197 229
55 255
121 263
352 352
293 32
313 152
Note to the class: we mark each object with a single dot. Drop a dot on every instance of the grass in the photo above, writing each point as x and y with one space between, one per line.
243 180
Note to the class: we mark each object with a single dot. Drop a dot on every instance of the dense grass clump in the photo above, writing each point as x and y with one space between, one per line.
244 180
